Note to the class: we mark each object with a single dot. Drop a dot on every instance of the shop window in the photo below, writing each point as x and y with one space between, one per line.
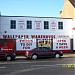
44 43
60 25
46 25
29 24
13 24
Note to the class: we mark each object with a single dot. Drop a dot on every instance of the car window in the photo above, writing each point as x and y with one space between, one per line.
39 49
46 49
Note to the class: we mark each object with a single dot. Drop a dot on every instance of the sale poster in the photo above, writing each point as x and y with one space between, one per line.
61 44
25 44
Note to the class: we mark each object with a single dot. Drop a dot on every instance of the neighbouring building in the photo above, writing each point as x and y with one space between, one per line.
68 10
21 33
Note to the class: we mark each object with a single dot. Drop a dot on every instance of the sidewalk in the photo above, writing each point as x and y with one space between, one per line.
69 55
20 57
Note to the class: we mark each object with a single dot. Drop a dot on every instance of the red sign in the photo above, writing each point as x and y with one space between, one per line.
73 28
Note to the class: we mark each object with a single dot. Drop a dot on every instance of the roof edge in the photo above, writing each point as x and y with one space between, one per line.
35 17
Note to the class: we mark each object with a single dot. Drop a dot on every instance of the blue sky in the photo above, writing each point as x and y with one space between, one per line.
41 8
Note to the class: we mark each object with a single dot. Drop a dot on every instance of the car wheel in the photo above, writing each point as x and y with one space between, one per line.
57 55
8 58
34 56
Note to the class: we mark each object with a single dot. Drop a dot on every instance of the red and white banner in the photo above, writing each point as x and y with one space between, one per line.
61 44
25 44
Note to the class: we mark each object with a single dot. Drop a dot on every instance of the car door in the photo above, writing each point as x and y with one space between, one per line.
48 52
40 52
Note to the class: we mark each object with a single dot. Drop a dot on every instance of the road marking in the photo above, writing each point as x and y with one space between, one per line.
2 67
26 70
35 67
46 65
18 62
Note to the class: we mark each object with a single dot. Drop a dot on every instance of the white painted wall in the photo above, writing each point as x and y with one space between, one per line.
73 33
5 26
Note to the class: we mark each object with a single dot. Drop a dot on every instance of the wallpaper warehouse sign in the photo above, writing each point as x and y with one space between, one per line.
25 44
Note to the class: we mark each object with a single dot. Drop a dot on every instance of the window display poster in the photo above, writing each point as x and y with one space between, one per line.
25 44
37 24
53 25
21 24
61 44
44 43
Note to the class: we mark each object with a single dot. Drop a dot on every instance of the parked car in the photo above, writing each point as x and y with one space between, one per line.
7 56
42 52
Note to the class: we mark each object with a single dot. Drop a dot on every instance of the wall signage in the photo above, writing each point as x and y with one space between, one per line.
26 36
37 24
61 44
25 44
21 24
53 25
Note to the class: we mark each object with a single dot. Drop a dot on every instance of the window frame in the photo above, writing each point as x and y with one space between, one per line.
29 25
60 25
12 24
46 24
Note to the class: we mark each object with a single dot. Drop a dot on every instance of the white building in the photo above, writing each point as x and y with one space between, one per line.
30 32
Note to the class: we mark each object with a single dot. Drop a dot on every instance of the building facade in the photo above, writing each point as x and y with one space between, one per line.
23 33
68 10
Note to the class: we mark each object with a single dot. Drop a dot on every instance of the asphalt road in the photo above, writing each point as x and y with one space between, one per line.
50 66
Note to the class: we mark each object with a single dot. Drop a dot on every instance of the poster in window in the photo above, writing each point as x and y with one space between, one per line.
25 44
44 43
53 25
21 24
37 24
61 44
